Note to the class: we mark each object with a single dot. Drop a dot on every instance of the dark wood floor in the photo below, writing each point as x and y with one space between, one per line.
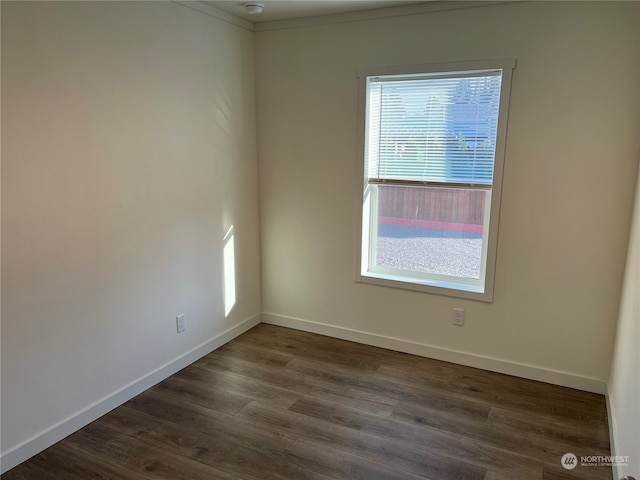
277 403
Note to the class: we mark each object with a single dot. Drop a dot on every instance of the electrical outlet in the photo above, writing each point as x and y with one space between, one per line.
181 323
457 317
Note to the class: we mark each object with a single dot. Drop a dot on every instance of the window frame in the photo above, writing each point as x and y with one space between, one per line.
366 224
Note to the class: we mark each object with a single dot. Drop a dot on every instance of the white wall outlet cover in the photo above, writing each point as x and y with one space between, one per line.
181 323
457 317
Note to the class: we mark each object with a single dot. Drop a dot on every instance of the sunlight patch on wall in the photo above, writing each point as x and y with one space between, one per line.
229 272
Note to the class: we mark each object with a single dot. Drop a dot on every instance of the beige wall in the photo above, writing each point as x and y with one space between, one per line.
128 150
568 183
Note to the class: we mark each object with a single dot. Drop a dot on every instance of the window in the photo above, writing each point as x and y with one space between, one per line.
433 154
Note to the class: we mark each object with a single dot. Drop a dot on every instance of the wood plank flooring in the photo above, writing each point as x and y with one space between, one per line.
277 403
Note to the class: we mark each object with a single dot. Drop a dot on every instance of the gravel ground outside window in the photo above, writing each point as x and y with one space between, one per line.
427 250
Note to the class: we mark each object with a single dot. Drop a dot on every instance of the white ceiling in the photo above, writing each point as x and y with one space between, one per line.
287 9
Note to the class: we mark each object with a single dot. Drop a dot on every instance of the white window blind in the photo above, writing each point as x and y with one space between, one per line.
433 128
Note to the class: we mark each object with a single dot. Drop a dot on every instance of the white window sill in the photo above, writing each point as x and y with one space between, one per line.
450 289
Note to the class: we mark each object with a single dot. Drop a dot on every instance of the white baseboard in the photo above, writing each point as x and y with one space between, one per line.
478 361
55 433
66 427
